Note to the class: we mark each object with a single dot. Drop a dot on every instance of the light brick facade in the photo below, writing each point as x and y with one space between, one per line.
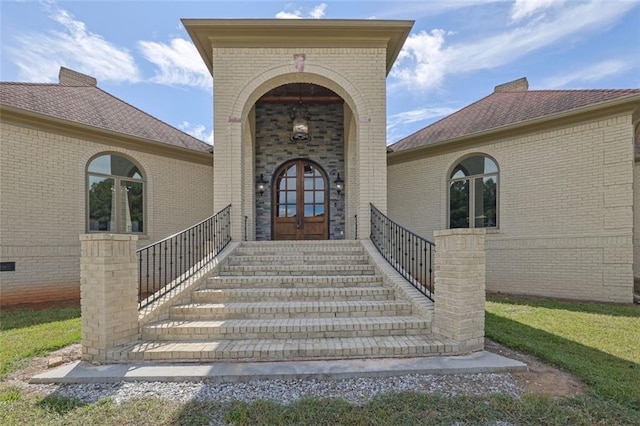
43 205
109 293
248 58
565 206
243 75
460 287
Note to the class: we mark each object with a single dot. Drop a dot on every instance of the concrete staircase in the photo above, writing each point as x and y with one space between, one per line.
290 300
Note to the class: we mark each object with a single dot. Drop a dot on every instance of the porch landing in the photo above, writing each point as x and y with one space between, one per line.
292 301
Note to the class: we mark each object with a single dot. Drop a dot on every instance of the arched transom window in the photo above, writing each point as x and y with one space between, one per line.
115 197
473 193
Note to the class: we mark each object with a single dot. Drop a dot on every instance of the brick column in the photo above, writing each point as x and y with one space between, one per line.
108 293
460 287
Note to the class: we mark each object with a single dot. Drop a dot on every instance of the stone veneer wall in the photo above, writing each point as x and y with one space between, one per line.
273 148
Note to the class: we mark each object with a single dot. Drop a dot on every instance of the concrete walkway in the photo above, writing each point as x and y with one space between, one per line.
224 372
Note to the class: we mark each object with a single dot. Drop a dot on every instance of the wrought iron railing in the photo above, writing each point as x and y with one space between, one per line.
410 254
164 265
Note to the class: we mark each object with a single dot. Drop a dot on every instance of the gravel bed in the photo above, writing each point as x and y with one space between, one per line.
355 390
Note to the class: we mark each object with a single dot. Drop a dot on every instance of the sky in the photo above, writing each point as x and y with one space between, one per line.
457 51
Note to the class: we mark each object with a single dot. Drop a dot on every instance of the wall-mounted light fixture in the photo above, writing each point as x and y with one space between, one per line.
261 184
300 116
339 184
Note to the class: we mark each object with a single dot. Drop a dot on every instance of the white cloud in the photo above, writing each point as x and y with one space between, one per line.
588 74
397 122
425 60
178 62
39 55
198 131
524 8
317 12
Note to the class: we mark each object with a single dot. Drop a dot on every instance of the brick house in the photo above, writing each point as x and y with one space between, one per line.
300 153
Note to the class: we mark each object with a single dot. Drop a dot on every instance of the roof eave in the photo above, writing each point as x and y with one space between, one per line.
619 102
206 33
76 129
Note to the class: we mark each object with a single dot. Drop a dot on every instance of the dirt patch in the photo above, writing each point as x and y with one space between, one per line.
541 378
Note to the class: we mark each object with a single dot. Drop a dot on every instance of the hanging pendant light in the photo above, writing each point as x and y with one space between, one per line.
300 116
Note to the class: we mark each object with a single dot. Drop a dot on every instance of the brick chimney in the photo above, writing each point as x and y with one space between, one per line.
69 77
519 85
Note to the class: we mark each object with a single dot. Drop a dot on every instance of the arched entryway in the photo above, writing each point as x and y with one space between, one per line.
300 202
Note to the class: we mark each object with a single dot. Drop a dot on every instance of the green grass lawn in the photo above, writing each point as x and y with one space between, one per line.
598 343
26 333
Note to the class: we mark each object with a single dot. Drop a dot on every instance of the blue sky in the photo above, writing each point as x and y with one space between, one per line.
457 52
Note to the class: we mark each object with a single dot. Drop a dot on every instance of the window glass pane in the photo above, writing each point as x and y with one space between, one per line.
291 197
319 209
486 202
308 197
490 166
308 183
319 183
308 170
457 173
291 210
308 210
114 165
131 219
101 164
477 165
320 197
459 204
291 183
282 197
282 184
101 214
282 210
292 170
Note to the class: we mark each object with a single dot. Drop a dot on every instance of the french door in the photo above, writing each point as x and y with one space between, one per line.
300 202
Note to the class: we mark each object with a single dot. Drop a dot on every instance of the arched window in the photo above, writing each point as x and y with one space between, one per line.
473 193
115 197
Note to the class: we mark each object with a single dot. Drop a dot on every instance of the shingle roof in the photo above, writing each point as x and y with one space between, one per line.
503 108
90 105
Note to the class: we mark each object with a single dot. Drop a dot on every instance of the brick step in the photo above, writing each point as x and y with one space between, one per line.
266 310
296 244
292 251
302 328
296 270
290 294
284 349
298 259
298 281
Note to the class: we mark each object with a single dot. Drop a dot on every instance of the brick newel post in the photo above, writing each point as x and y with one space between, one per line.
108 293
460 287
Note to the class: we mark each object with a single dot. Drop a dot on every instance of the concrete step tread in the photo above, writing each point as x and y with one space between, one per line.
285 349
293 324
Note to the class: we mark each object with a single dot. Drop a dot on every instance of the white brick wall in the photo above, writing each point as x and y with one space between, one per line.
565 208
42 207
